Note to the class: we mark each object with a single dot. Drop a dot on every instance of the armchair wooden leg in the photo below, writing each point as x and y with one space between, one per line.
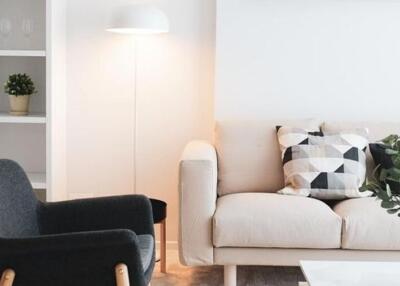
163 246
121 275
7 278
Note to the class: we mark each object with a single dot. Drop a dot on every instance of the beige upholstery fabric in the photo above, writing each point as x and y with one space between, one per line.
197 195
273 220
249 157
367 226
377 130
292 256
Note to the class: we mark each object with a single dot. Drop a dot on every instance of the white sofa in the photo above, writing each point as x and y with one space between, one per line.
231 215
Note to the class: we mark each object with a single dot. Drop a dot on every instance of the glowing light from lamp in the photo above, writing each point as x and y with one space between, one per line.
140 20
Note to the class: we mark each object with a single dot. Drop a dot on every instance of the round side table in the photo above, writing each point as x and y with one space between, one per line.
160 217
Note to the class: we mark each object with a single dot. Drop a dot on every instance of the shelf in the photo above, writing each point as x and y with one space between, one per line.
33 118
22 53
38 180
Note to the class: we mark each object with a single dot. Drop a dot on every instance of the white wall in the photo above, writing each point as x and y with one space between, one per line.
326 58
56 104
175 86
332 59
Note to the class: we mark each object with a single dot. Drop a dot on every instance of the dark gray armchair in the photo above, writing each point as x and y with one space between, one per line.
72 243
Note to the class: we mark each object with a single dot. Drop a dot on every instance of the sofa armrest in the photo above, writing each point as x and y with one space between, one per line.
197 199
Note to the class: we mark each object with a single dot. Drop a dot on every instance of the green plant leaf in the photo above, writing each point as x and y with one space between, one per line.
391 151
388 191
391 140
392 173
375 172
383 174
382 195
392 211
19 84
388 204
396 161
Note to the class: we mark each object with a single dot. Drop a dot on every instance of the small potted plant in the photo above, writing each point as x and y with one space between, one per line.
19 88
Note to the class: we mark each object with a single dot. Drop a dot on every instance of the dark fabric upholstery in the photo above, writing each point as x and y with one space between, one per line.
70 243
126 212
146 247
159 210
18 204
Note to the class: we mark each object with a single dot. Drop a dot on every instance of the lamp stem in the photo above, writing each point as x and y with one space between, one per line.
135 117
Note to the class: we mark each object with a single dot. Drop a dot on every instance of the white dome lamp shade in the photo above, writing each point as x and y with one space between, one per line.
140 20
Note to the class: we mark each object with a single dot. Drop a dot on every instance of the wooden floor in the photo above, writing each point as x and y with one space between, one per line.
179 275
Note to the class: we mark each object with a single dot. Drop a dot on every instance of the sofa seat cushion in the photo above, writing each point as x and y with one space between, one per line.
367 226
273 220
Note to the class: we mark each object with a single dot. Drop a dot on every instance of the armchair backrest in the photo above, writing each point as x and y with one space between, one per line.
18 203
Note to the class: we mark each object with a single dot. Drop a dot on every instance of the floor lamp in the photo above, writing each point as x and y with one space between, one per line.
138 20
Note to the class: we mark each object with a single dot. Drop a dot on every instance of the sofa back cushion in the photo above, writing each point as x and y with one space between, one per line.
248 155
249 159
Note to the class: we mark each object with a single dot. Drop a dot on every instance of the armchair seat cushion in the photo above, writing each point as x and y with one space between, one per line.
273 220
146 248
367 226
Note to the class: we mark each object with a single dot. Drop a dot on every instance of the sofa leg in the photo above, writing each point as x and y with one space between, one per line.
230 275
7 278
121 275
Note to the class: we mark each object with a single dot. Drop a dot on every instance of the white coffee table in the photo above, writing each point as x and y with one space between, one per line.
349 273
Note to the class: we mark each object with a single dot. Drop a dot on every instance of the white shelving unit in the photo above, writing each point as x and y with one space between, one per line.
38 180
33 118
25 138
22 53
36 141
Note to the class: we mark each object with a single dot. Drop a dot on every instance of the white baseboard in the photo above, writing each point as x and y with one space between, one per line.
171 244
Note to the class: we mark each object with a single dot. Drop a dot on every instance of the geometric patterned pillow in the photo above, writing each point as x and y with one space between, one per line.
323 165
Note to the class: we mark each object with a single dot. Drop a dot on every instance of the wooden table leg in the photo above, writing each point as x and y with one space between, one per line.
7 278
163 246
121 275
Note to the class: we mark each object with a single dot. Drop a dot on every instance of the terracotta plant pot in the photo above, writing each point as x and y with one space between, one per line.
19 105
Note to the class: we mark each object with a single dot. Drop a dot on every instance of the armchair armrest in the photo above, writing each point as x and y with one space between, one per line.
120 212
86 258
197 199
